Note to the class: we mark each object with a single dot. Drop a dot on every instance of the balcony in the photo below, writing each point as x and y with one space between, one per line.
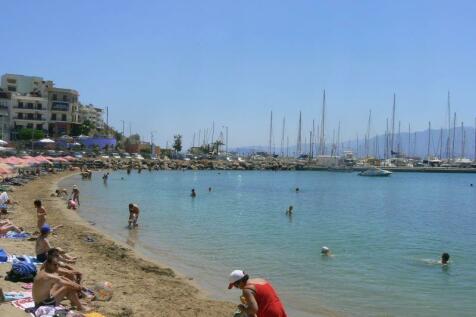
28 119
59 106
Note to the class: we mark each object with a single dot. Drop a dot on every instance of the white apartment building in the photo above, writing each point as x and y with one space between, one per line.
5 106
36 103
93 114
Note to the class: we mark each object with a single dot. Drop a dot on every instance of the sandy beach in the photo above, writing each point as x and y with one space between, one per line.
141 287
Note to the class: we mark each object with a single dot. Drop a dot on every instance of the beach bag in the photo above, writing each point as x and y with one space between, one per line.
21 272
3 256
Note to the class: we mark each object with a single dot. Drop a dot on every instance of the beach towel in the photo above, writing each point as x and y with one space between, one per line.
13 296
23 258
15 235
24 303
94 315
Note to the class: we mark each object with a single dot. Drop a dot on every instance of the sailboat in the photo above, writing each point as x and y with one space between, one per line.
374 172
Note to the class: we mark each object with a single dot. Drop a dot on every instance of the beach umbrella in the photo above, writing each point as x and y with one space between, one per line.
12 160
3 142
5 169
70 158
46 140
41 159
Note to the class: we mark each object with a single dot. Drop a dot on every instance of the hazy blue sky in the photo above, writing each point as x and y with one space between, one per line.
176 66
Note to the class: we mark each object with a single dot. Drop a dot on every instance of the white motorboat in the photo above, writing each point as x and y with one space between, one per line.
375 172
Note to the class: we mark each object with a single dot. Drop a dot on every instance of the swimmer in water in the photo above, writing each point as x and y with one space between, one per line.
193 194
326 251
289 211
297 189
445 258
209 189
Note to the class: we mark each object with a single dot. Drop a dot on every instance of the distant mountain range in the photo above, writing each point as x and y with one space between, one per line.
417 145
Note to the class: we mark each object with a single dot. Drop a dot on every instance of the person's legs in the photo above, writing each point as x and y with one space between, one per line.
66 291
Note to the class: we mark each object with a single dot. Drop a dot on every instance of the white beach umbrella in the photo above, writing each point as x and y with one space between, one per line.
46 140
3 142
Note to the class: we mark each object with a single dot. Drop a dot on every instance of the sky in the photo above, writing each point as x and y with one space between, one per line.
175 67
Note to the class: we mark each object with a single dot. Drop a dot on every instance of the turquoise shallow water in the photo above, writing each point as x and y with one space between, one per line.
386 235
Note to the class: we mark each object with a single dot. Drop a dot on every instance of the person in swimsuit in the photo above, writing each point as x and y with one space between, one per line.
75 195
6 225
193 194
445 257
40 214
259 294
133 215
49 288
42 244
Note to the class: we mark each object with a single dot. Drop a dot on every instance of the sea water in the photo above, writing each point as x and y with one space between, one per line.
386 235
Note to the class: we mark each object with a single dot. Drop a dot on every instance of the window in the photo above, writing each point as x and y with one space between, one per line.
55 97
29 125
53 116
29 116
11 80
20 115
39 106
38 116
39 127
63 117
30 105
20 104
12 88
65 97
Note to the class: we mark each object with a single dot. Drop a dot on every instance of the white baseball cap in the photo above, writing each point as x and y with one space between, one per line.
235 276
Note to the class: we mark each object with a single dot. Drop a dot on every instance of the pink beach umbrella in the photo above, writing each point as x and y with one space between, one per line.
5 169
12 160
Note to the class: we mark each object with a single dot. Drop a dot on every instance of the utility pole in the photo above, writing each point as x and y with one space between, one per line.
107 120
322 140
123 123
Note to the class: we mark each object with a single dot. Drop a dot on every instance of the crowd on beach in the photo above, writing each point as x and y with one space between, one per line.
51 270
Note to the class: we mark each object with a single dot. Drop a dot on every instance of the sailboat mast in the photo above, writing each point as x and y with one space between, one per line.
313 136
282 136
448 145
270 133
386 141
441 143
367 135
338 140
409 140
454 137
299 140
429 139
393 125
462 140
322 140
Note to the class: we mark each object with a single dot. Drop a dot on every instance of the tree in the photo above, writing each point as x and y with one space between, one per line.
177 143
86 127
27 133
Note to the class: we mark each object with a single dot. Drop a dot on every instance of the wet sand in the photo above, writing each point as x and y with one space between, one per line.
141 287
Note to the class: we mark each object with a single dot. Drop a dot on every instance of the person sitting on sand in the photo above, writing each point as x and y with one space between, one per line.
445 258
289 211
193 194
64 269
43 246
259 294
49 288
133 215
326 251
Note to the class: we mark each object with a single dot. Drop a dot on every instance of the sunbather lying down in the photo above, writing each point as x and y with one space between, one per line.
49 288
6 225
